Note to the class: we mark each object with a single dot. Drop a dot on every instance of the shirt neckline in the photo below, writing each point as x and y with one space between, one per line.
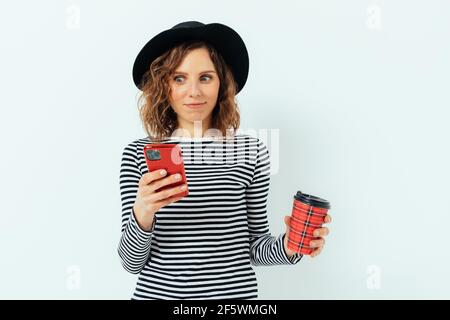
204 138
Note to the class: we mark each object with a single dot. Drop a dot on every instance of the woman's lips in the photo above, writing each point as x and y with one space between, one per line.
195 106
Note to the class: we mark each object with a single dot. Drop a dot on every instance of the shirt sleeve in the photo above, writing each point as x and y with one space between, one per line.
134 244
265 249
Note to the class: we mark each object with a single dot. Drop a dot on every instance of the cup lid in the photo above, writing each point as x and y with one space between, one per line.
312 200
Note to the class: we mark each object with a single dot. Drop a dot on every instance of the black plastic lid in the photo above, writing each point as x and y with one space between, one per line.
312 200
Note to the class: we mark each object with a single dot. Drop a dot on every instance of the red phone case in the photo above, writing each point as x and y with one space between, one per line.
170 159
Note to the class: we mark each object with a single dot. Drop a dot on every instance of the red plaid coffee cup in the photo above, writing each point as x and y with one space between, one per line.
300 242
308 214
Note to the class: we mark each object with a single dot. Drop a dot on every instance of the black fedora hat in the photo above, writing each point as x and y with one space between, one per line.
225 40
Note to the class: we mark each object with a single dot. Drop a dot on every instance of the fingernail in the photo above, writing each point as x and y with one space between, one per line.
177 176
163 172
183 187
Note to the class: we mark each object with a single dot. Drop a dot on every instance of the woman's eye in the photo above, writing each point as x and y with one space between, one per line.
175 79
180 77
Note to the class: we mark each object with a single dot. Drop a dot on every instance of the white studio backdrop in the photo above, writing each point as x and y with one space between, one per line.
356 92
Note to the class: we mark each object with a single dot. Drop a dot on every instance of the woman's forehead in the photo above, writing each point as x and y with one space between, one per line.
196 61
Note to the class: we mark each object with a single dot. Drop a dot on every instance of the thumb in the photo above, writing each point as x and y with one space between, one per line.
287 221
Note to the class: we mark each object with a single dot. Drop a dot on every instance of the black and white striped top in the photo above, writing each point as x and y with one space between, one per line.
204 245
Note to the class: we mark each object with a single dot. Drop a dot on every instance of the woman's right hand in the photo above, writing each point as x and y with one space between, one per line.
148 202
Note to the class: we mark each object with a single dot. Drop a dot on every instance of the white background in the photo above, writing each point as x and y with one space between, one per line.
359 91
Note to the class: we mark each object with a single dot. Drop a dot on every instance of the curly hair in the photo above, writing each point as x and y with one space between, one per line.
157 116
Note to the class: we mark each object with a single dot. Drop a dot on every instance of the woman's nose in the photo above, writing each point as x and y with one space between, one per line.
194 89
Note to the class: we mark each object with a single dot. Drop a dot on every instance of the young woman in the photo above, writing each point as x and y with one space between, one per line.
201 246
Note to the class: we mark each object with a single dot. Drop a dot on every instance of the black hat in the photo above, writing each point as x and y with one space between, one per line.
225 40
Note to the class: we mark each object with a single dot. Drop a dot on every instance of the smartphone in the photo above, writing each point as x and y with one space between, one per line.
169 157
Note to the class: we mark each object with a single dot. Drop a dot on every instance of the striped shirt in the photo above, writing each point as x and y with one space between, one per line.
204 245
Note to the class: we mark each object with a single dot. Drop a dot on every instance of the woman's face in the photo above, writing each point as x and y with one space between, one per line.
194 81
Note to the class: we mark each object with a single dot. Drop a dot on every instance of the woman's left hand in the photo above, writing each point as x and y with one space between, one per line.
317 244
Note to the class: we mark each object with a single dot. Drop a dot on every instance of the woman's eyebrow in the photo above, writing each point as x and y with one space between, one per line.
180 72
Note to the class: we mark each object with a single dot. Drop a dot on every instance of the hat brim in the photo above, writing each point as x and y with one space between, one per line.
227 41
